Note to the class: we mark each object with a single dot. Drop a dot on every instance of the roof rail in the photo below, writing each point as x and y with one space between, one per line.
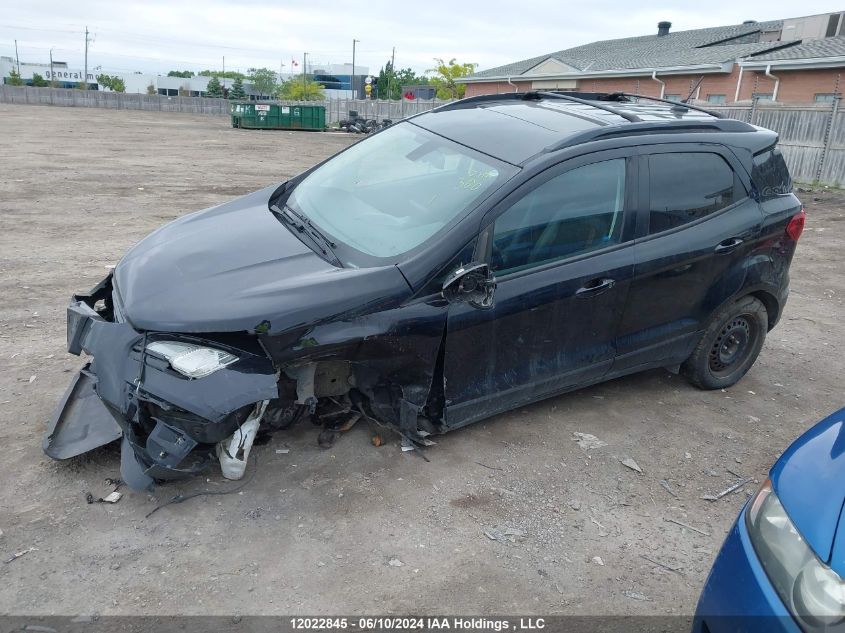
633 118
677 104
481 98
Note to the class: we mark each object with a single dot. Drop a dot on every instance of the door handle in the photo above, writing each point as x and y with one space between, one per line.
728 245
595 287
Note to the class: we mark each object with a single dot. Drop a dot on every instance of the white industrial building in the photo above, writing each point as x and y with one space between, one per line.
337 79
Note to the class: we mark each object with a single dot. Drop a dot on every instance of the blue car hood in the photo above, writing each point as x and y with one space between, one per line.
233 267
809 480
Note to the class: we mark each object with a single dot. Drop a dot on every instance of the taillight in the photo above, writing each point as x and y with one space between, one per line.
796 225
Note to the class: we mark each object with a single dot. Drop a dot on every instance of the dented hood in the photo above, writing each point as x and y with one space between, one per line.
232 267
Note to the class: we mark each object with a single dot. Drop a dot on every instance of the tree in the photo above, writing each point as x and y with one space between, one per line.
15 78
112 82
237 90
444 77
38 81
396 79
185 74
296 89
151 90
185 90
229 74
264 81
214 89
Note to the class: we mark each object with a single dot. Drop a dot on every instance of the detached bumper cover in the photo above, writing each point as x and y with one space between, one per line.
169 423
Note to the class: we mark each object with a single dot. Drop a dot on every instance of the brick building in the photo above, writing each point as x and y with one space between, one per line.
796 60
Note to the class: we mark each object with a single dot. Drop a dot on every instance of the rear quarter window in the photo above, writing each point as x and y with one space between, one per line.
770 176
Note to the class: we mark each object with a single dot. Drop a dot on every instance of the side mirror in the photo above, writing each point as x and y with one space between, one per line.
473 283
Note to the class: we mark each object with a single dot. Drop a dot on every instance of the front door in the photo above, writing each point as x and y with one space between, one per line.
561 253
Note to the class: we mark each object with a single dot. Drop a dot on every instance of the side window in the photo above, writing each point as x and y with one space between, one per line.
770 175
686 187
575 212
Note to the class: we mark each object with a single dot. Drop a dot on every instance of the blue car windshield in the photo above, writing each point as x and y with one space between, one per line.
394 191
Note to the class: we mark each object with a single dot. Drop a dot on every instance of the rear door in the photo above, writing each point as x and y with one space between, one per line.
561 250
697 225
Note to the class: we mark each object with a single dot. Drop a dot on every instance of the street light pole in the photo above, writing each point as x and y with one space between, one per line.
352 79
52 74
304 66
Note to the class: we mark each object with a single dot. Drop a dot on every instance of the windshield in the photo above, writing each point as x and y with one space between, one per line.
390 193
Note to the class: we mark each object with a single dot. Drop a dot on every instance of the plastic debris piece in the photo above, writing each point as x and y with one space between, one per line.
113 497
630 463
598 561
17 555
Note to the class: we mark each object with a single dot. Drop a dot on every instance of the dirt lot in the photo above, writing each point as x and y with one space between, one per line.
315 530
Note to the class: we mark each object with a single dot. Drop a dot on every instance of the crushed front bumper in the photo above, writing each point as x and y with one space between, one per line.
169 423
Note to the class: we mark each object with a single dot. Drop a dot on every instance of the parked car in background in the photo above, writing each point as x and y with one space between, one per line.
470 260
781 567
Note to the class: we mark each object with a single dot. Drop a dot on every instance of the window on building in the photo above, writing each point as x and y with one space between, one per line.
673 98
711 98
832 25
686 187
573 213
762 96
824 97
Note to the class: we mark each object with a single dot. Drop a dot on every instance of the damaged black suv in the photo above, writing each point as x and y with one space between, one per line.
469 260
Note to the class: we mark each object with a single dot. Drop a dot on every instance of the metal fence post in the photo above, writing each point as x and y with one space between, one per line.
828 136
752 114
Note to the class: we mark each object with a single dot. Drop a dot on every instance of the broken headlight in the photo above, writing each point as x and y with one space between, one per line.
193 361
810 589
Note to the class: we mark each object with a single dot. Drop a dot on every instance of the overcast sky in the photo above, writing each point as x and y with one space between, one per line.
159 35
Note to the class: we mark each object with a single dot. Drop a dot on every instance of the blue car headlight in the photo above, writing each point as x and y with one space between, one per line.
812 591
193 361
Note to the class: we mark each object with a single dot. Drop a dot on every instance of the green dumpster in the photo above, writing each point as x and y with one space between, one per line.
274 116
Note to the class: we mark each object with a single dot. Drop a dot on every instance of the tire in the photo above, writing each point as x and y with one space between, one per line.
729 345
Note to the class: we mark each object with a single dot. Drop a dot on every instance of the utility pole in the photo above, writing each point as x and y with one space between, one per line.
352 82
85 77
52 74
304 65
392 71
223 76
17 59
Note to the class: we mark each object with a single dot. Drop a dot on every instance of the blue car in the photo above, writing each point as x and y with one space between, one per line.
782 565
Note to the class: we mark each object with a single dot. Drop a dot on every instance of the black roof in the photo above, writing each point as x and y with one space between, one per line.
516 127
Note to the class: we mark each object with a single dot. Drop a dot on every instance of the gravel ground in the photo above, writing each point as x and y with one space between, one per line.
315 530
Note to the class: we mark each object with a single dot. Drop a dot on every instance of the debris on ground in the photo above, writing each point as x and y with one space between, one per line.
636 595
665 485
395 562
575 504
597 560
21 553
32 379
506 535
689 527
676 570
728 490
630 463
282 451
326 438
376 440
588 441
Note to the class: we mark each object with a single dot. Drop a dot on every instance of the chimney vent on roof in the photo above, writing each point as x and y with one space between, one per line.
750 22
663 28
